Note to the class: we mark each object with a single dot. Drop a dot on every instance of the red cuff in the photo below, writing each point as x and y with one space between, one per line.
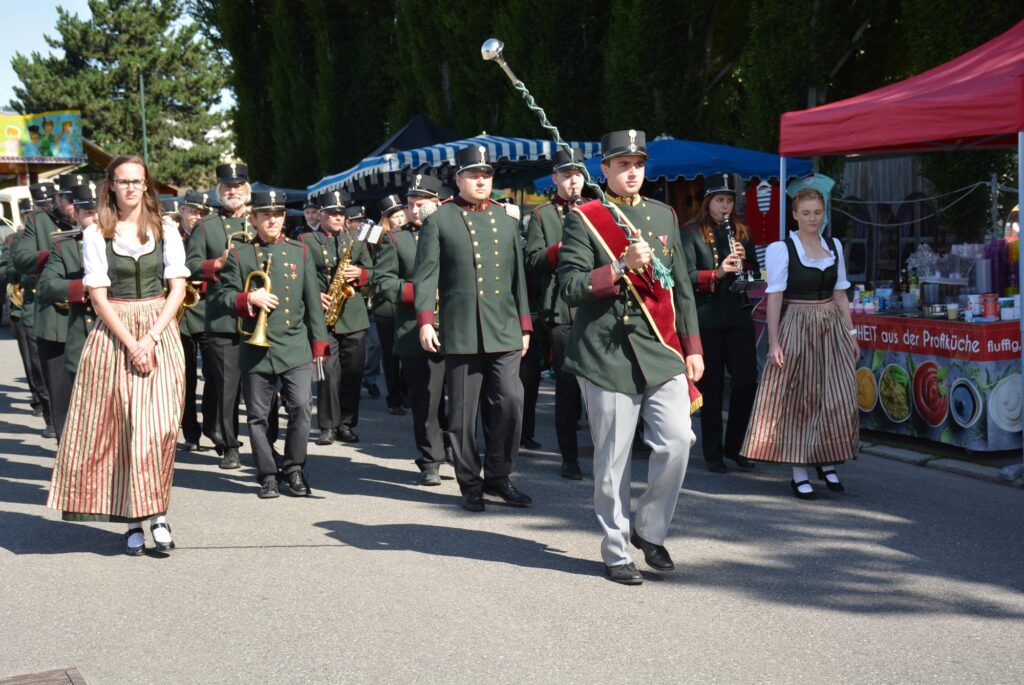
41 260
408 293
706 281
321 348
364 276
526 323
208 271
76 291
553 254
691 345
603 283
242 306
425 317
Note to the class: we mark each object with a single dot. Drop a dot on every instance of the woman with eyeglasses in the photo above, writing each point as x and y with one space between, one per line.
116 460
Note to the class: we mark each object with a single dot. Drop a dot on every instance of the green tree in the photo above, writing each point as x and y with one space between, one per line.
104 57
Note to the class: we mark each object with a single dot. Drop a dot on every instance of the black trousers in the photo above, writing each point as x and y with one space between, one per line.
392 364
261 404
424 377
57 381
337 397
193 345
732 349
494 380
220 367
33 368
568 400
529 376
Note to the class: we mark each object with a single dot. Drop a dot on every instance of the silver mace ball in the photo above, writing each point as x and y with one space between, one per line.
491 52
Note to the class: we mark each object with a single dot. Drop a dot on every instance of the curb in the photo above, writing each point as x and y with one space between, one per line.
957 466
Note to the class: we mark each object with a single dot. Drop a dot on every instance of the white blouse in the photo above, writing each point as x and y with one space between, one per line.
94 255
776 260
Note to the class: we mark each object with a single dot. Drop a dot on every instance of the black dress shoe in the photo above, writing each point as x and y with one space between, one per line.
345 434
656 556
268 488
741 461
529 443
796 489
397 411
717 467
297 485
473 501
134 551
625 574
429 477
230 459
162 546
449 455
571 470
372 389
833 485
37 411
48 431
327 436
509 493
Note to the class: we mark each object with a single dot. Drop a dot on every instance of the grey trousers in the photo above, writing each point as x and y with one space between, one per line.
613 416
260 391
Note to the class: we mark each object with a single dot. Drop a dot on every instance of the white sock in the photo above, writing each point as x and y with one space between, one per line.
138 538
161 535
800 474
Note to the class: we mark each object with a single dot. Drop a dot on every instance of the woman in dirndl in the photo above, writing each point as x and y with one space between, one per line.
116 459
805 413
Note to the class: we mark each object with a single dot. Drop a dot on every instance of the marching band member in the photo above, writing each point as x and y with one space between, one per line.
294 332
192 325
392 218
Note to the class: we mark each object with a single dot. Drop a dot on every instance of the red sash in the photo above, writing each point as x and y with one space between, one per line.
656 302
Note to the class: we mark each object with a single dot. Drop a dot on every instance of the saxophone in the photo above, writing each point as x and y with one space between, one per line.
339 291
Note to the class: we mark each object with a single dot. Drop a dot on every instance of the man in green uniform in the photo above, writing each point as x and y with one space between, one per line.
636 350
544 238
337 407
470 253
61 281
48 324
423 371
39 400
295 334
206 253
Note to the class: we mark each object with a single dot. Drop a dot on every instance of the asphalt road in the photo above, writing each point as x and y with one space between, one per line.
912 576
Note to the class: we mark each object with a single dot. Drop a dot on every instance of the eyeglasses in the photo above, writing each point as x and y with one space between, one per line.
125 183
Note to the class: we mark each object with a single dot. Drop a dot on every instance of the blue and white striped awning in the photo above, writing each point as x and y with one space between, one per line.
393 168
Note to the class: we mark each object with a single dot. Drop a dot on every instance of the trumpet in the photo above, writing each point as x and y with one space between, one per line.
243 234
192 297
258 335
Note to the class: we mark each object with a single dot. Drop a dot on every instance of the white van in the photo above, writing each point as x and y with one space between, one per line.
10 217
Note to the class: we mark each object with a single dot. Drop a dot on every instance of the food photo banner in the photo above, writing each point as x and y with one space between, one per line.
954 383
49 136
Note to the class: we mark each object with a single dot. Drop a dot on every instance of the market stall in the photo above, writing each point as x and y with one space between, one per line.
972 102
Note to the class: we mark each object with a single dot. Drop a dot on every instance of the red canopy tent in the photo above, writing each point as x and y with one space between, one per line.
973 101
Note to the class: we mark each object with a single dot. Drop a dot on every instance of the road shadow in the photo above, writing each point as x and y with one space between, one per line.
459 543
29 534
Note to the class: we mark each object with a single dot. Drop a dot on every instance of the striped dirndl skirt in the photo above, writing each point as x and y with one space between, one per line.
116 457
806 412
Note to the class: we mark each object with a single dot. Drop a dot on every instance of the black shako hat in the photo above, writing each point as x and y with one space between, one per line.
334 201
424 186
41 192
355 212
66 182
620 143
169 205
312 202
566 160
235 172
85 196
390 205
472 158
719 183
268 200
193 198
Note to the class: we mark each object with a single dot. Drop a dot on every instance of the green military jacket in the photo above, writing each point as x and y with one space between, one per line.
718 308
382 308
30 253
327 251
392 282
194 320
295 329
612 345
207 243
61 281
474 258
543 238
9 275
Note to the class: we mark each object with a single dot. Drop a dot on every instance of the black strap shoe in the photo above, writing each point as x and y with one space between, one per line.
162 546
571 470
345 434
473 501
140 549
297 485
268 488
656 556
230 460
832 483
796 489
625 574
509 493
327 437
